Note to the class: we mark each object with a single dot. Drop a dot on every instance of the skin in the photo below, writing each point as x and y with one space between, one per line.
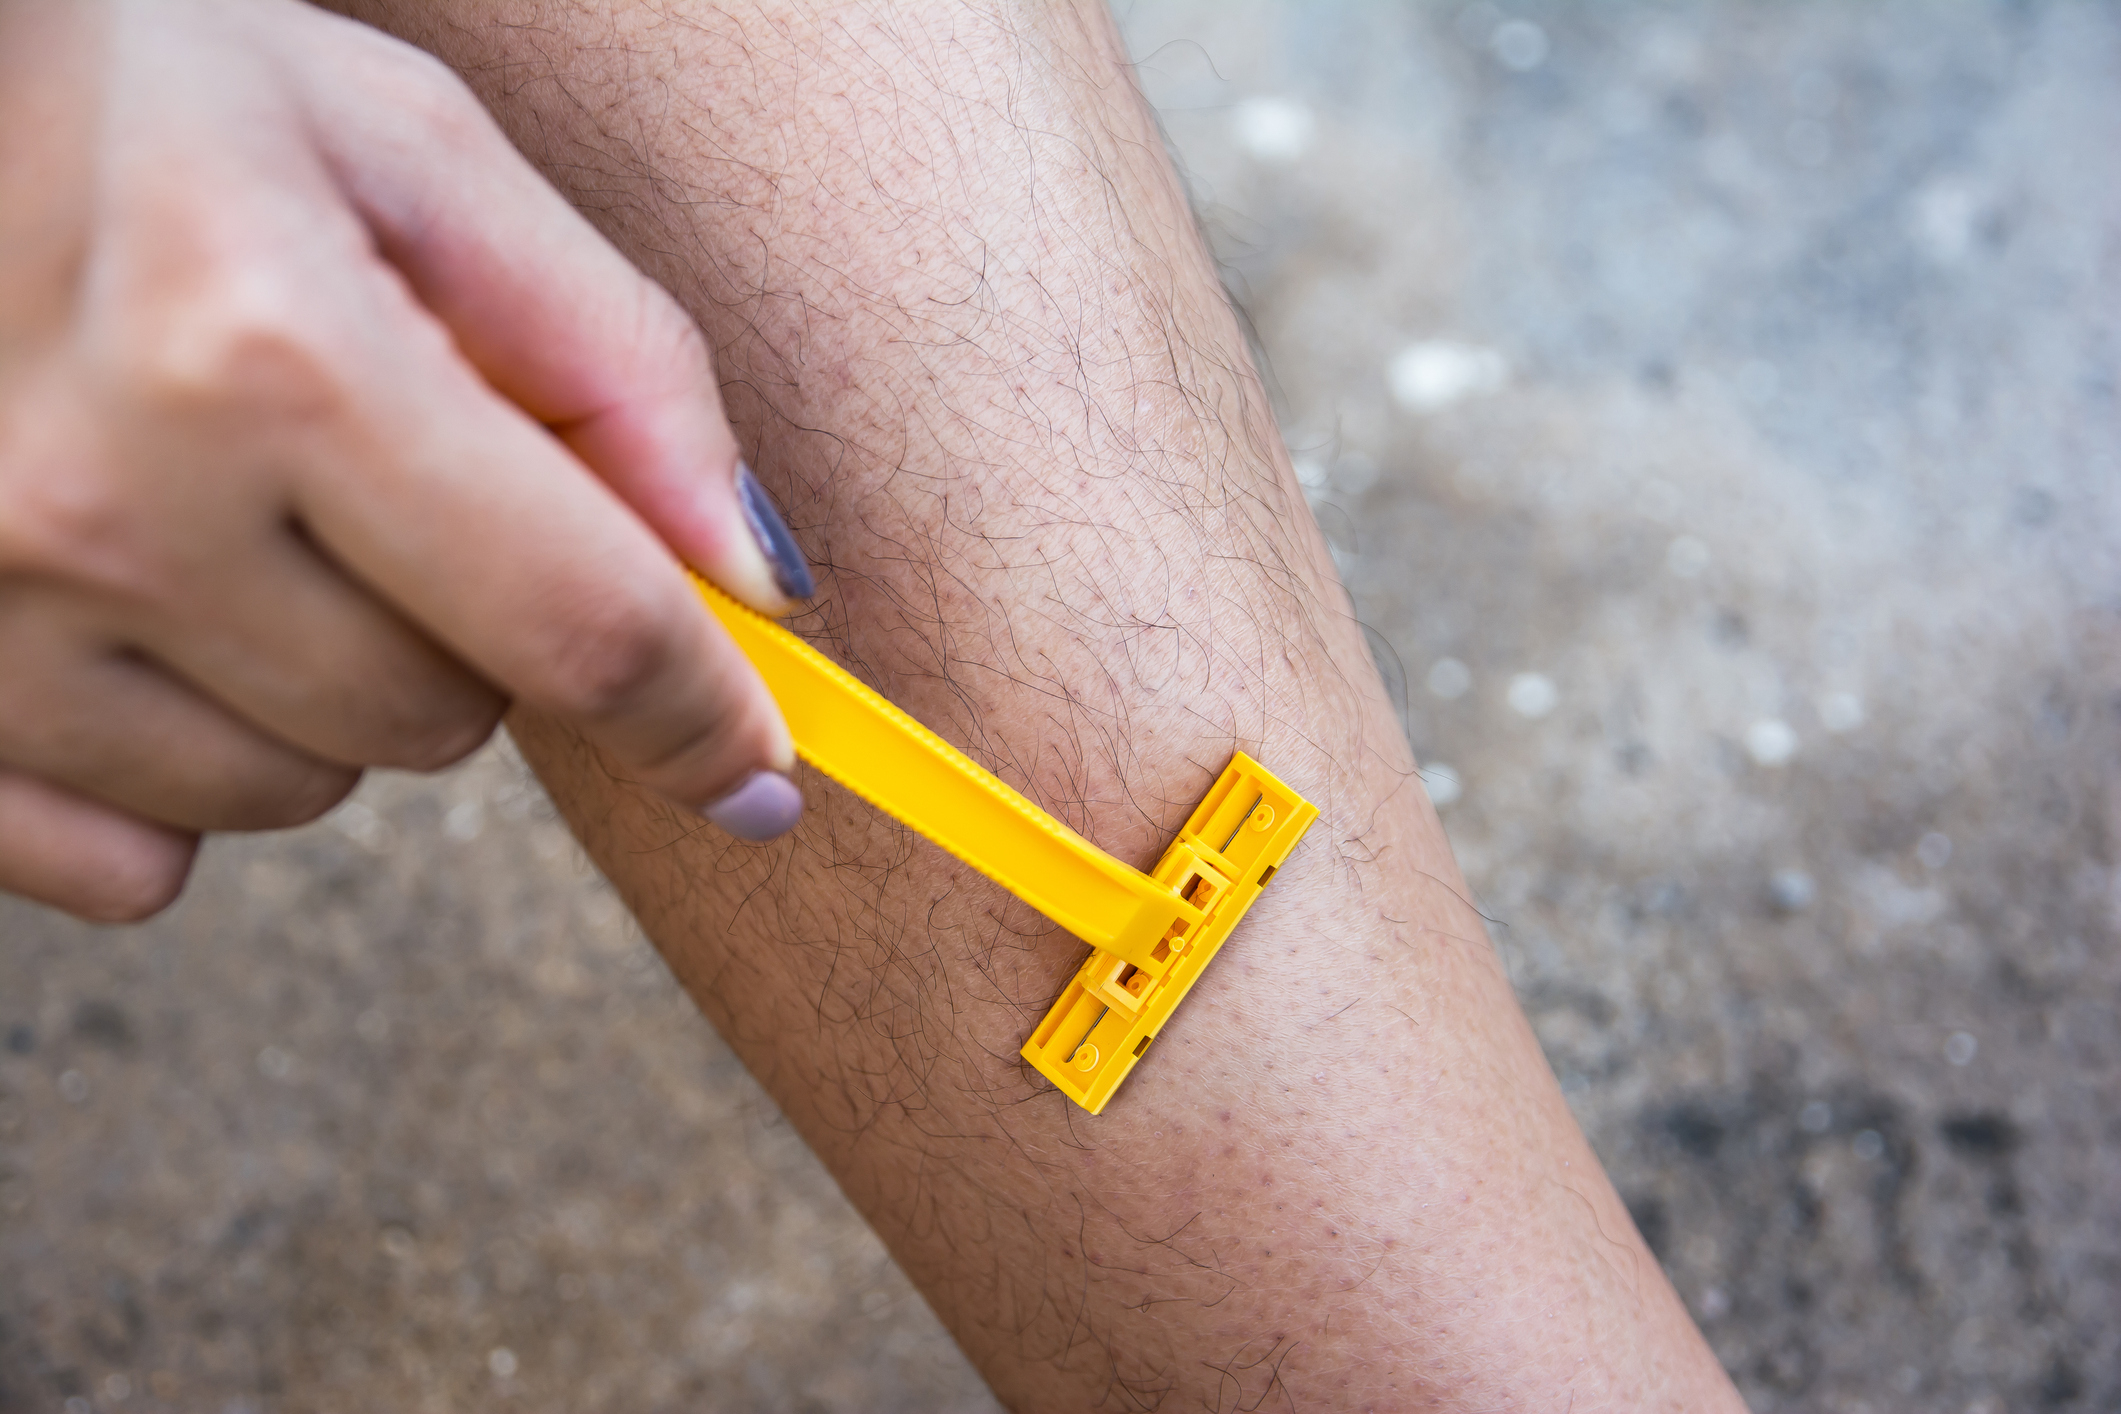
960 308
327 429
282 275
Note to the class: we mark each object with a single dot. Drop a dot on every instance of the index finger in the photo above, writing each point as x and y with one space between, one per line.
454 506
552 316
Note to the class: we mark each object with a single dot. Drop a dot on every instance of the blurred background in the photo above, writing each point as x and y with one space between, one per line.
1713 410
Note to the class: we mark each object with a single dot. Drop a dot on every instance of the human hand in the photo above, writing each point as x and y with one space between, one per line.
327 429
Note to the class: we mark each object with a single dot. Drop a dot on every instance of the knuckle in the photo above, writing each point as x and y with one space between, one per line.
66 526
242 345
140 882
434 740
90 534
97 862
319 792
669 346
711 760
663 326
417 67
426 96
64 510
292 795
615 646
448 114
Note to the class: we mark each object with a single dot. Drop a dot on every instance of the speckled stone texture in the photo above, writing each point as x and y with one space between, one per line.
1713 408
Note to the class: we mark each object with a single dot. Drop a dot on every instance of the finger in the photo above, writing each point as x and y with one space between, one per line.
118 728
287 640
485 530
84 857
553 316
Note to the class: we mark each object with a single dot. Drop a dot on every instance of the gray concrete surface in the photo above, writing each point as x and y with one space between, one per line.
1714 409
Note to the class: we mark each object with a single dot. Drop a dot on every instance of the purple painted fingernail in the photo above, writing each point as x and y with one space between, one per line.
791 572
766 806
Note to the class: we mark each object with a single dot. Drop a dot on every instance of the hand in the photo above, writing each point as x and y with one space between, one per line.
326 429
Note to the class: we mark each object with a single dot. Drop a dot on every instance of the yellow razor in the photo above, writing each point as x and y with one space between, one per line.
1150 935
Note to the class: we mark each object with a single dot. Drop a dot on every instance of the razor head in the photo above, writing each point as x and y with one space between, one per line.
1223 858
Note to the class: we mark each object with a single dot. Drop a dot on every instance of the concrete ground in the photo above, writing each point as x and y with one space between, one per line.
1714 409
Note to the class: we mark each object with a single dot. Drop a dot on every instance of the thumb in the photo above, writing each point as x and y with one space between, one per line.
552 316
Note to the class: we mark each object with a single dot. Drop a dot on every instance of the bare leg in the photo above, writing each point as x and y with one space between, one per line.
964 322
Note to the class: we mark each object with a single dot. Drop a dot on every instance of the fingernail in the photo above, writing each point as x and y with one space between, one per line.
766 806
791 572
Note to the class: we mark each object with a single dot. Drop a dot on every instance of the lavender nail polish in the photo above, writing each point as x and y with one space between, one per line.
766 806
791 572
